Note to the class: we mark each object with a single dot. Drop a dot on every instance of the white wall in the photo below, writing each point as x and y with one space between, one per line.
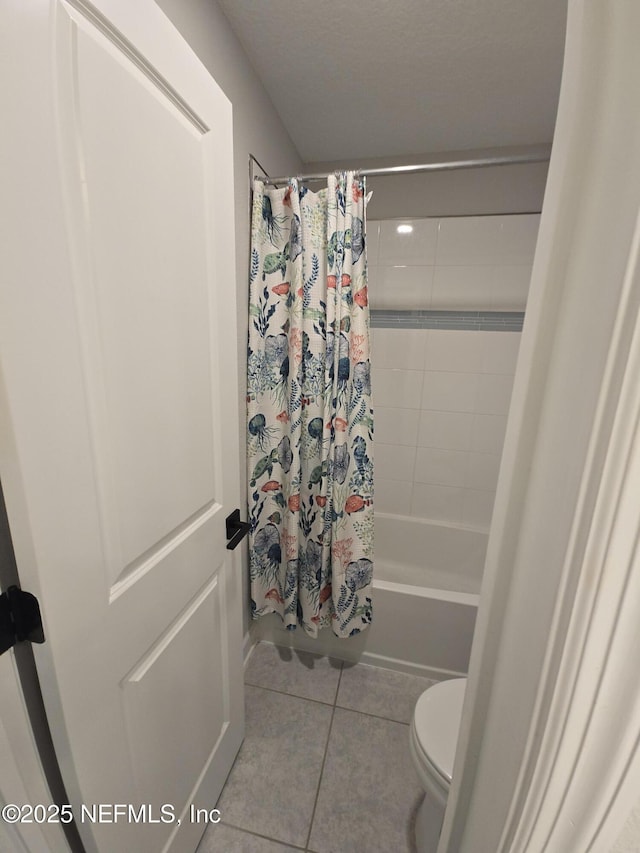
441 396
258 130
460 263
441 399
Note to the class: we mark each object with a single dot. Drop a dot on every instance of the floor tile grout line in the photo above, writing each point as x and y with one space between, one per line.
335 697
334 705
324 759
266 837
294 695
375 716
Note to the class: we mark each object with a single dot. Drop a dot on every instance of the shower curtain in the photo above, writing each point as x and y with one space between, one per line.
310 421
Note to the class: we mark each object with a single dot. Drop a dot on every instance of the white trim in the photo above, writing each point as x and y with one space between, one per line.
592 691
549 752
469 599
421 670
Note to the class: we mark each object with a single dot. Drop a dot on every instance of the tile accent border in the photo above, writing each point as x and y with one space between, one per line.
473 321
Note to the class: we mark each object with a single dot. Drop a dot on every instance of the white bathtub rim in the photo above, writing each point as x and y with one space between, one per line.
434 522
469 598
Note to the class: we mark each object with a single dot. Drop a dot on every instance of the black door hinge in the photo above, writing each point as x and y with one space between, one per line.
19 618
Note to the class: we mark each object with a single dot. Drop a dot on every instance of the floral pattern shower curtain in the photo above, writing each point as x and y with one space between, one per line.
310 421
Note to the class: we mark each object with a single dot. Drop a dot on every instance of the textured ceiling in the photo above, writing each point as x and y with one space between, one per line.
400 77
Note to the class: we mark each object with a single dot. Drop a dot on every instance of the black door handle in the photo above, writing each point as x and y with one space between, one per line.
236 529
19 618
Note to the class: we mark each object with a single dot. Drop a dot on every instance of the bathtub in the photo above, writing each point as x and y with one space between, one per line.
426 587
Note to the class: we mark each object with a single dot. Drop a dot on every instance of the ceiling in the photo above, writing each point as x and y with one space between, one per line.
393 78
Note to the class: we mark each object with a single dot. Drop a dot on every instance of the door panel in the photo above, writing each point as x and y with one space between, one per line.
120 457
148 359
171 666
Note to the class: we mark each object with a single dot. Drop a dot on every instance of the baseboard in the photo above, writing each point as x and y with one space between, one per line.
421 670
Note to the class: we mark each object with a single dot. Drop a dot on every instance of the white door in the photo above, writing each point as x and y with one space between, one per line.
119 399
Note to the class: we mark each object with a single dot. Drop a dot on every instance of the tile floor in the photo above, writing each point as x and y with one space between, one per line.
325 763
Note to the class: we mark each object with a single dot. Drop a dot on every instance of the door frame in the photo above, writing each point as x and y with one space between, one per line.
549 750
31 774
23 779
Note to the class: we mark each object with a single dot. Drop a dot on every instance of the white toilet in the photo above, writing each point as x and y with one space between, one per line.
433 740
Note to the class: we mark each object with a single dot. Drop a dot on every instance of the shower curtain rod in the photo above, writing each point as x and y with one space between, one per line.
423 167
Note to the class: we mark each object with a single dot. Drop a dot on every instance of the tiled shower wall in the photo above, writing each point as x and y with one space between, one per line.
441 394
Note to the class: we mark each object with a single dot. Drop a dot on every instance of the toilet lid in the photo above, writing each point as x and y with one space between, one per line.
437 723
